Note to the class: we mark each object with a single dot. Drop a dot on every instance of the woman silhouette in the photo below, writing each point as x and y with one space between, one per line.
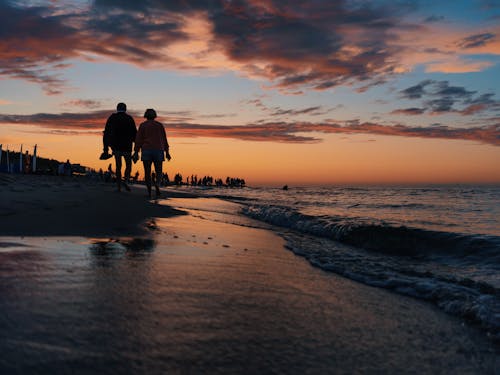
151 140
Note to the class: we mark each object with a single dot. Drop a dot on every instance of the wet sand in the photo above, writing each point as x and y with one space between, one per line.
190 294
35 205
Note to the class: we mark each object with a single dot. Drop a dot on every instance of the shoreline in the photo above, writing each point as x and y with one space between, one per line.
192 292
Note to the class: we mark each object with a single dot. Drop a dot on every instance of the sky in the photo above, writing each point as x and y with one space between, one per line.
276 92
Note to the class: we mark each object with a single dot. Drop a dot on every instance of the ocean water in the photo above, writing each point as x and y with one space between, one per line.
437 243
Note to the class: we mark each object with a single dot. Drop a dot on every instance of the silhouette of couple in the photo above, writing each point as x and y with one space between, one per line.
120 133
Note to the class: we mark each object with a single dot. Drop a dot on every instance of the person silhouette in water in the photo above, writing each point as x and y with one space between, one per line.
151 140
119 134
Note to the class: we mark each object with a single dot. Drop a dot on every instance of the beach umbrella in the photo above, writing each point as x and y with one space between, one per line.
21 160
34 159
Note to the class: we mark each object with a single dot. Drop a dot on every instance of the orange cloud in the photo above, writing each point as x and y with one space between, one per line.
446 49
281 132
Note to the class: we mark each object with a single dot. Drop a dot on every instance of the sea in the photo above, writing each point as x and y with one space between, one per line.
439 243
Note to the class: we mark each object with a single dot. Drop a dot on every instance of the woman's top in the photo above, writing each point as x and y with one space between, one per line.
151 136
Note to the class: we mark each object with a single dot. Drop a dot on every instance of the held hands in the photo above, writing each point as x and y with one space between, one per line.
135 157
167 155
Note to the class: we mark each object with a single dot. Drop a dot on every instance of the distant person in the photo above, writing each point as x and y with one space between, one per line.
27 162
119 134
68 171
151 140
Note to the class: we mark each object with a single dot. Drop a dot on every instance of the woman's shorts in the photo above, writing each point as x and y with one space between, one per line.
152 155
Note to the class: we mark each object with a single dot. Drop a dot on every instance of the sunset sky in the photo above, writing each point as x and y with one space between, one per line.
296 92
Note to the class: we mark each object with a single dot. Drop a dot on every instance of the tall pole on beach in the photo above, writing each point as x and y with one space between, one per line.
21 160
8 162
0 156
34 160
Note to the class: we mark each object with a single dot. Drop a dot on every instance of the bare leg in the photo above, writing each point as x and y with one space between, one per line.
159 174
147 175
118 160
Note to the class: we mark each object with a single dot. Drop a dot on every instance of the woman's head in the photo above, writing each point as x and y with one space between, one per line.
150 114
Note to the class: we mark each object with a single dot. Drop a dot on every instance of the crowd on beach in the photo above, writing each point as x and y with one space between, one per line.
164 180
193 180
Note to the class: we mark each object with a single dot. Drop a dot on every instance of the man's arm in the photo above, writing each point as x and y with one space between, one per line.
107 135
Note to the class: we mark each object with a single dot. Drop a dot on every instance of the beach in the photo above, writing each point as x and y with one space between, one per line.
95 281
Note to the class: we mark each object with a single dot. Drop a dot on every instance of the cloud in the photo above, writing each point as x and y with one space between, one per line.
431 19
83 103
415 92
313 111
457 65
440 97
292 46
67 121
449 47
317 45
270 131
278 111
408 111
476 40
33 43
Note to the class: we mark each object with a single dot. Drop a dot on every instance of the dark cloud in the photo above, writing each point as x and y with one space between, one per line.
440 105
440 97
476 40
433 19
277 131
33 44
83 103
415 92
484 99
67 121
443 88
314 111
409 111
278 111
313 44
219 115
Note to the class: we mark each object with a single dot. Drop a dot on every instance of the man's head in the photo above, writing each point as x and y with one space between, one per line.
121 107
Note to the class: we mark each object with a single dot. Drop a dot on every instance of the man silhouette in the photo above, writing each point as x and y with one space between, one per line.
119 134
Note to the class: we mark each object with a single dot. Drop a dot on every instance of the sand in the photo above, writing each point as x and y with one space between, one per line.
195 294
32 205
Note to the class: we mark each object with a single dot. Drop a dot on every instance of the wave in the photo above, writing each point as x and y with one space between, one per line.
445 268
378 235
475 301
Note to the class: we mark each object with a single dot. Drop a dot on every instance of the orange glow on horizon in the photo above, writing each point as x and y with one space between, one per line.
339 159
